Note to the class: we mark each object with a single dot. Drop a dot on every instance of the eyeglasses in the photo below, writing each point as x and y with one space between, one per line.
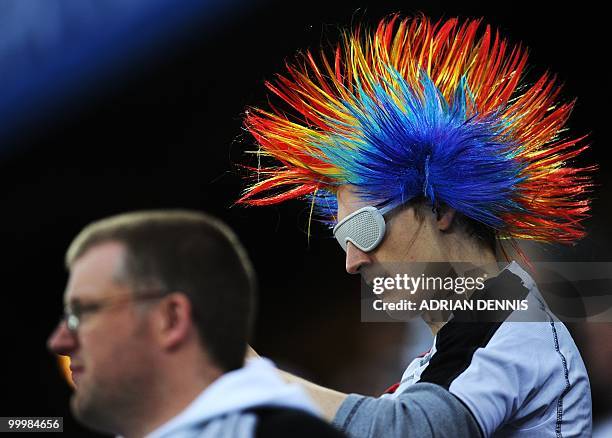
364 228
73 313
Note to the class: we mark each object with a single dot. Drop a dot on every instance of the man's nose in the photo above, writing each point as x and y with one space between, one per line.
62 341
355 259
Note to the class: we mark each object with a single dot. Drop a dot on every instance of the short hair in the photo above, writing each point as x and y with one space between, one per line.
189 252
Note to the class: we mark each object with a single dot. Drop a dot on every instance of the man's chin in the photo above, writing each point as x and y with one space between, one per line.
81 405
87 415
76 404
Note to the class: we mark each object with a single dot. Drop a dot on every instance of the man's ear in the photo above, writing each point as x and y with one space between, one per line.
444 217
175 321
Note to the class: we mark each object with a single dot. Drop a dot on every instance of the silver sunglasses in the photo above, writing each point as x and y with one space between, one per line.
364 228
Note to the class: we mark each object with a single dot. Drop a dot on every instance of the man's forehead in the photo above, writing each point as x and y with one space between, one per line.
349 200
95 271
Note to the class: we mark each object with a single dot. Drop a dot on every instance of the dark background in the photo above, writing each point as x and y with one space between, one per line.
161 129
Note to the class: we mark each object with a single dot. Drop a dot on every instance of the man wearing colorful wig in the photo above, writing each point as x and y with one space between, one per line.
422 141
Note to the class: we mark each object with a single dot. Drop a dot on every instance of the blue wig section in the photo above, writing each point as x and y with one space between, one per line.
325 207
409 143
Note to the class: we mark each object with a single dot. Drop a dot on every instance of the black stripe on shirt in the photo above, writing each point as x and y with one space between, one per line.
458 339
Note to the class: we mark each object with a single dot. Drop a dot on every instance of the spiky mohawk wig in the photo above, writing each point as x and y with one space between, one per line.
417 108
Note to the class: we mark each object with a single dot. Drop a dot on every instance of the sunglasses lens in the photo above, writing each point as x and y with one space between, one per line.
365 228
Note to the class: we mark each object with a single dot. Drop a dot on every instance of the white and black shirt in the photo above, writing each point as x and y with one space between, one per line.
508 378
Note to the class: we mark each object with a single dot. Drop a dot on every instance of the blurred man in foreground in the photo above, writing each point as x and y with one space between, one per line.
158 312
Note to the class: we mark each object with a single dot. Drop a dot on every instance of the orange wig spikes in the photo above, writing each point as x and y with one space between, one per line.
416 108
